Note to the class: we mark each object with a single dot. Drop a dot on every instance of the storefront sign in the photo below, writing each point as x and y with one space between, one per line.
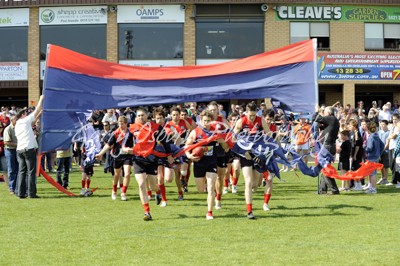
151 14
14 17
13 71
338 13
346 66
68 15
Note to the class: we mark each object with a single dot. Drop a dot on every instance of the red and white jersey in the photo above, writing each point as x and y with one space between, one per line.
252 127
179 128
219 124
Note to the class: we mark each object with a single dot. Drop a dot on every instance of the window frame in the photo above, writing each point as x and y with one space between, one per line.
325 41
21 55
384 40
177 55
102 54
225 21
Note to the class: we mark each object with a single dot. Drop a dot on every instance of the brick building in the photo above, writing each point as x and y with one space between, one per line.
359 41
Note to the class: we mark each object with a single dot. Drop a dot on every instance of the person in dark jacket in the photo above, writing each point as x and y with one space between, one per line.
329 129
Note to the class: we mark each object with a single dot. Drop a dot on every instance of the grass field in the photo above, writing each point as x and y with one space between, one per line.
302 228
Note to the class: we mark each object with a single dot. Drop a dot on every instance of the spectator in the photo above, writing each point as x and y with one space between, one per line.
192 109
373 115
263 107
374 106
396 162
26 151
130 115
360 106
383 134
329 126
96 119
393 139
302 132
4 117
373 150
110 118
221 110
3 161
396 105
343 125
10 143
13 110
344 150
385 114
63 166
357 151
46 159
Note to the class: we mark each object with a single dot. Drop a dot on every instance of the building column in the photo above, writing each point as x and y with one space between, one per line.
112 37
189 37
33 57
349 94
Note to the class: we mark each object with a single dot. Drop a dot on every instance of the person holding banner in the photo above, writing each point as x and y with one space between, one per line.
205 167
165 172
219 125
146 135
26 151
178 129
249 126
120 138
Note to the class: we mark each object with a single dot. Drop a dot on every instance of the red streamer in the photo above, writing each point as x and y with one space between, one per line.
365 170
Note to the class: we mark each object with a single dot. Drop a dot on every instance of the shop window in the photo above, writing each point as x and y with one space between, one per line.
86 39
300 31
150 41
380 36
14 44
229 31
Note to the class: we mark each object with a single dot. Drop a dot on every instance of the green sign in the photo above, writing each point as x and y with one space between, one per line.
338 13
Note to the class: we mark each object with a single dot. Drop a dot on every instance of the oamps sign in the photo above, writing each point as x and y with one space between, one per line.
150 14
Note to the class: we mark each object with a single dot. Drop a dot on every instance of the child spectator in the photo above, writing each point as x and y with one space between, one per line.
373 150
344 150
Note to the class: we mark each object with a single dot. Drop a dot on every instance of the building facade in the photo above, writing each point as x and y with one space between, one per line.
358 41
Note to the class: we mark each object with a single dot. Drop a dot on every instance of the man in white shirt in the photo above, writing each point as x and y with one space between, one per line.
26 151
385 113
111 118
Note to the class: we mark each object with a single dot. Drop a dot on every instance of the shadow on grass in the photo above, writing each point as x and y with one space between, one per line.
331 207
334 208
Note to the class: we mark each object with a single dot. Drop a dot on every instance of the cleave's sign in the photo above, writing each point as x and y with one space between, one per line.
310 12
338 13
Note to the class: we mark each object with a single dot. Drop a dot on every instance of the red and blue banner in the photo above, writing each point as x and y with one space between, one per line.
350 66
76 83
